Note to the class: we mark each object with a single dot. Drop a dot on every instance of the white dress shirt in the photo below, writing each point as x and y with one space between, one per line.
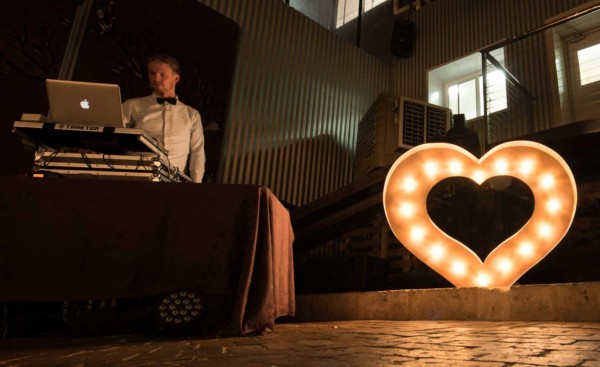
176 127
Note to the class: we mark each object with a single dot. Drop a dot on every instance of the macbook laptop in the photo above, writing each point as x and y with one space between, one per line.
84 103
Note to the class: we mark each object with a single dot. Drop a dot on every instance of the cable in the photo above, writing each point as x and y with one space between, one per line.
50 159
86 161
106 162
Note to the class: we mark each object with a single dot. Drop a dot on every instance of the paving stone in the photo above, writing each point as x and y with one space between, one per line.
343 343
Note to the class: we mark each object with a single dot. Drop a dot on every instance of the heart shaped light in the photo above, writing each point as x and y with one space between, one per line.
414 174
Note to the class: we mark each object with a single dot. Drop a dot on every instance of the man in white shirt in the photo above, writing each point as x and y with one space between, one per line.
175 125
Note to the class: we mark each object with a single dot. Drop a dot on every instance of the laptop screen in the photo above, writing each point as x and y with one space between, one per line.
84 103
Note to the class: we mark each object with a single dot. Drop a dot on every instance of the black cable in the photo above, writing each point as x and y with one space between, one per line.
106 162
50 159
85 160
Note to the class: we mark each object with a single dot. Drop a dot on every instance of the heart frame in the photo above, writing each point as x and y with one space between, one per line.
416 172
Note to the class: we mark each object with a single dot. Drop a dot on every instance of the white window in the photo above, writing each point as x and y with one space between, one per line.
462 98
348 9
496 92
459 86
589 64
584 74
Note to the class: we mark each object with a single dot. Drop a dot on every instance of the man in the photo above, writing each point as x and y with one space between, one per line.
175 125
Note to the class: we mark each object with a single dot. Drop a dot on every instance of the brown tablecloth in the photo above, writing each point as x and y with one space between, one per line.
74 239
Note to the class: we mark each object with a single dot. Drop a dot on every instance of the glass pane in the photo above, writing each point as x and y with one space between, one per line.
351 10
453 98
496 91
480 96
340 13
589 64
468 99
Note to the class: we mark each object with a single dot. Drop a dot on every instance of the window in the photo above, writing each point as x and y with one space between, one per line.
459 86
462 98
496 92
348 9
589 64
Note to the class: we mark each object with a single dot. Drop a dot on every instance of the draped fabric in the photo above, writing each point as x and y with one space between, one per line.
76 239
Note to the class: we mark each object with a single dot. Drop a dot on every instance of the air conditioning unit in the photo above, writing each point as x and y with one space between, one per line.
421 122
393 125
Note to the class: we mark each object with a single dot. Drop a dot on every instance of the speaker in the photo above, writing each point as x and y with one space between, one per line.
403 38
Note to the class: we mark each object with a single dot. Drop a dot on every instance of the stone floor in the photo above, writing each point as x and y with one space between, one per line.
344 343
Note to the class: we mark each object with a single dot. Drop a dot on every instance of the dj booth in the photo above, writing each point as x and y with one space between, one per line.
70 239
96 151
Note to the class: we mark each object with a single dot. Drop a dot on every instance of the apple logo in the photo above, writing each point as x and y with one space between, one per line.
85 104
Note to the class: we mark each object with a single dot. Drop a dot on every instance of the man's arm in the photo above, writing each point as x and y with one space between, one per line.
127 120
197 155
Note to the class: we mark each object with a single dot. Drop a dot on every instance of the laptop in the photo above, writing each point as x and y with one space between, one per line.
84 103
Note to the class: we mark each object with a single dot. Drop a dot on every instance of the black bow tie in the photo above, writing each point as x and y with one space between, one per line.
171 100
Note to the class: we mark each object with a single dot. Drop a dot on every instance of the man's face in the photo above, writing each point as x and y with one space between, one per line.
162 78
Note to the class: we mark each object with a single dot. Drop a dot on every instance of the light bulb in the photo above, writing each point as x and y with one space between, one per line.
553 205
431 169
437 252
526 166
547 181
478 177
501 166
483 280
459 268
504 265
525 249
545 230
455 167
407 210
410 184
417 233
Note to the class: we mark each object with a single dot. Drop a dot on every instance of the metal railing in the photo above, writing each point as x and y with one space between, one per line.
549 77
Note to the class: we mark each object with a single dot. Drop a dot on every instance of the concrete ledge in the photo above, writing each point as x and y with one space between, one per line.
547 302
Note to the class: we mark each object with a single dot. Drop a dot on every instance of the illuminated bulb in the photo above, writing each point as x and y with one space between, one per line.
459 268
483 280
417 234
553 205
545 230
431 169
547 181
407 210
504 265
410 184
478 177
526 166
526 249
501 166
437 252
455 167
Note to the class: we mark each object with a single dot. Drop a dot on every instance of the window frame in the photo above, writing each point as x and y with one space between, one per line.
461 70
347 18
460 80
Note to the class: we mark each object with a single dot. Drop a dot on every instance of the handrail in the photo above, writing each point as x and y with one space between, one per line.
505 42
511 78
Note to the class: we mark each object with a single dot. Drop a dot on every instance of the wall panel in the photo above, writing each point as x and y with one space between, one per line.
299 92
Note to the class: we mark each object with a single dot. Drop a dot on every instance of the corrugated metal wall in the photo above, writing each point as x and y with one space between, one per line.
450 29
299 92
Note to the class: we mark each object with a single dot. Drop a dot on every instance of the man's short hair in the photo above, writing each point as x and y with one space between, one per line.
173 63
